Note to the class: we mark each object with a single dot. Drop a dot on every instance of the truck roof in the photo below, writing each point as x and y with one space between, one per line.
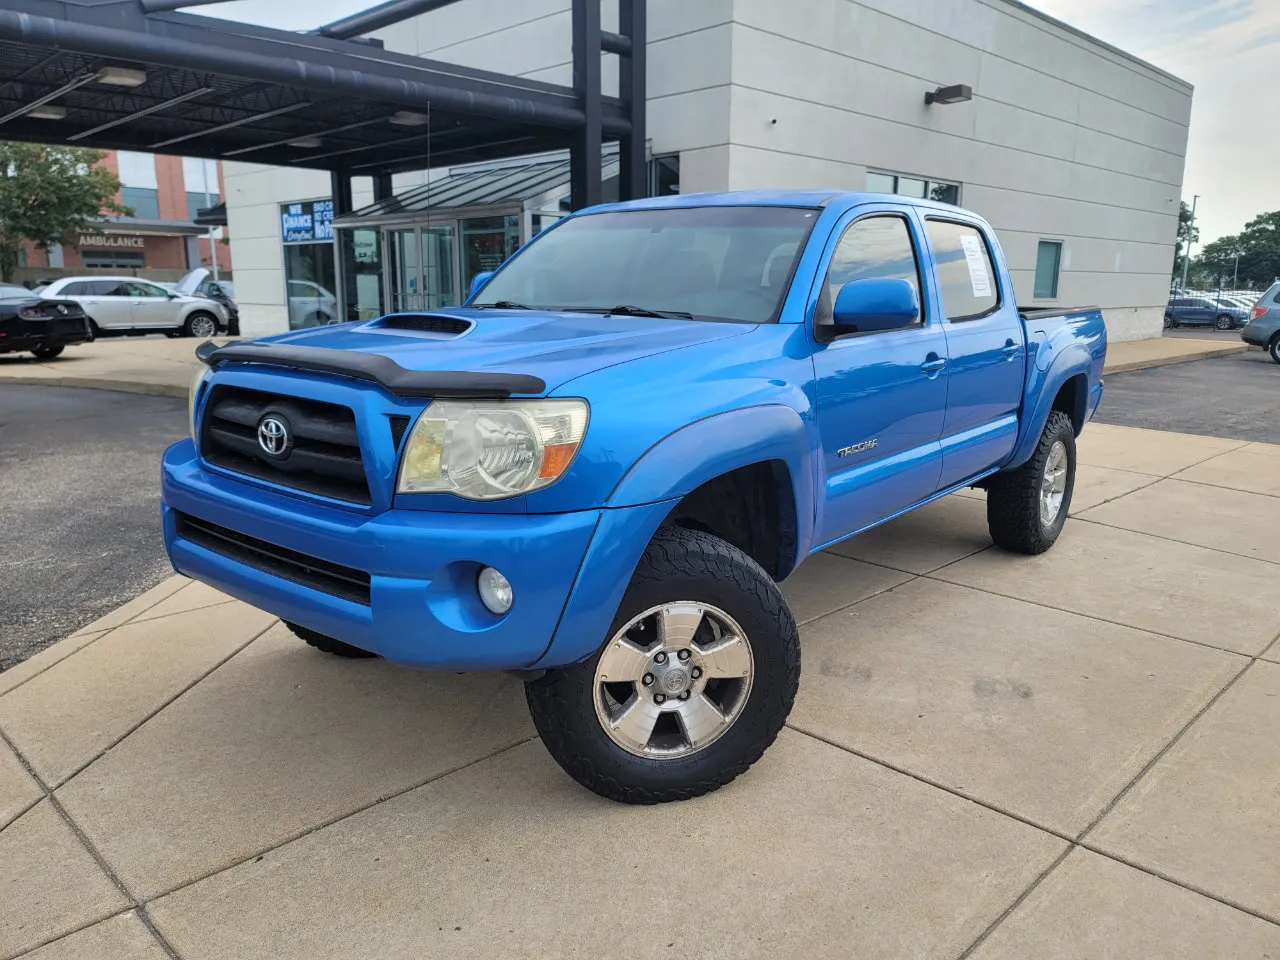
769 198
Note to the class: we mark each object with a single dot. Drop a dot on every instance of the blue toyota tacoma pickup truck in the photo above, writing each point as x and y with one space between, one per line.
597 472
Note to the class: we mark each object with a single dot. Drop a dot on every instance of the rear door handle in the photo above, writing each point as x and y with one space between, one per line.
1011 348
933 365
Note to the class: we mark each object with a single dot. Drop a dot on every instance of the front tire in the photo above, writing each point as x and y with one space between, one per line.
1169 322
1027 507
200 324
328 644
47 353
694 682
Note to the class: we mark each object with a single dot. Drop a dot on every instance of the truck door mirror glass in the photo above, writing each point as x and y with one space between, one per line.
478 281
873 305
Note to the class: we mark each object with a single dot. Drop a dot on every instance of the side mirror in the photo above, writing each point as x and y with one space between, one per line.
871 306
478 281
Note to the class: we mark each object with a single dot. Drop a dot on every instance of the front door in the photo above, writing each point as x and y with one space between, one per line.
987 349
151 305
880 396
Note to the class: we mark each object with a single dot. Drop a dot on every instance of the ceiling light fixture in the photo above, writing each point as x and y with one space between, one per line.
305 143
407 118
122 77
958 93
48 113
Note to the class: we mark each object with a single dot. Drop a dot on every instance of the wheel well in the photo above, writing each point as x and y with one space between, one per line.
753 508
1072 398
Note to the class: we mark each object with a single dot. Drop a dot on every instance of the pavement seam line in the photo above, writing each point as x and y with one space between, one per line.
1159 755
1090 616
1017 902
143 618
81 838
262 852
1184 884
160 938
1221 486
929 782
878 593
1185 543
141 723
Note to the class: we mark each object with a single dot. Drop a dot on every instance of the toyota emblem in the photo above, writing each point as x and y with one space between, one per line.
273 436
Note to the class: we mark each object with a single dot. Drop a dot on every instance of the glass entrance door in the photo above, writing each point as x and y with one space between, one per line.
421 268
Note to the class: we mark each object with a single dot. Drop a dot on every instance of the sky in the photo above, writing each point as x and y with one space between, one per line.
1230 50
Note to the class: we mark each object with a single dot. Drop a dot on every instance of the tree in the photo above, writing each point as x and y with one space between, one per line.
1258 249
1184 235
47 193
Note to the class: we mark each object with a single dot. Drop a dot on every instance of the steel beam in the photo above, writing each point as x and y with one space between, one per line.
584 147
633 181
375 18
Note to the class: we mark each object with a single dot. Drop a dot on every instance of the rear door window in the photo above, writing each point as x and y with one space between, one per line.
965 268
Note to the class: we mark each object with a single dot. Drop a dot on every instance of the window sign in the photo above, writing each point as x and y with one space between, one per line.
309 221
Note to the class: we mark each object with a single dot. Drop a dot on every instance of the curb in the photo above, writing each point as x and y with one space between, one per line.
94 383
1128 366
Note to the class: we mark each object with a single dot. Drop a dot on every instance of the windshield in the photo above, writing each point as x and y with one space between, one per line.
711 263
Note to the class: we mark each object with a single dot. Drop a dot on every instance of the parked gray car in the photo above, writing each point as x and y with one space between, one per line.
1264 326
131 305
1192 311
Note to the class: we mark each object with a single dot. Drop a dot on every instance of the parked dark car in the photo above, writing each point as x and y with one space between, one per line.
41 325
1204 312
1264 327
198 283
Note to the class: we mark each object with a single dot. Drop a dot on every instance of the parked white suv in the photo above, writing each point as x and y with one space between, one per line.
128 304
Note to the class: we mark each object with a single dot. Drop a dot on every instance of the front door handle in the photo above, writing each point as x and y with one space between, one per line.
1011 349
933 363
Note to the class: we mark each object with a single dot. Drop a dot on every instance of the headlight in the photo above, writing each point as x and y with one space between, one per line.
193 395
489 450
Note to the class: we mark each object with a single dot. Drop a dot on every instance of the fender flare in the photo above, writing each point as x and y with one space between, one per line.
1072 361
685 459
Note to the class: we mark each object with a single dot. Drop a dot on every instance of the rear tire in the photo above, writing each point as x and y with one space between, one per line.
47 353
1274 349
94 331
673 649
1169 322
328 644
1225 322
1027 507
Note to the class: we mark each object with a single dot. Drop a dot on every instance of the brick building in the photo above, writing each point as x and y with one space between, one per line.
160 240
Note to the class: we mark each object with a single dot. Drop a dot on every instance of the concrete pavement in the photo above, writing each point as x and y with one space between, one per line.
164 367
1066 756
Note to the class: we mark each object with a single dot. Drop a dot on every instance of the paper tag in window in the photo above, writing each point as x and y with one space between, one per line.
976 257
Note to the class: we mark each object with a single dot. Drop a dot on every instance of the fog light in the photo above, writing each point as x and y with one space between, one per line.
495 590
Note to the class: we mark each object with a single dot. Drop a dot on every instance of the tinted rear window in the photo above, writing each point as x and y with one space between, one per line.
966 272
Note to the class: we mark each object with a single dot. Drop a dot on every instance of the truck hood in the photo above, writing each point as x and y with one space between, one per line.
555 347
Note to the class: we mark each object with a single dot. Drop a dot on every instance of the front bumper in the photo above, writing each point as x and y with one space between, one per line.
423 606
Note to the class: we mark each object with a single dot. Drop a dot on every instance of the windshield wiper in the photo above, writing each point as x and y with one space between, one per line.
505 305
629 310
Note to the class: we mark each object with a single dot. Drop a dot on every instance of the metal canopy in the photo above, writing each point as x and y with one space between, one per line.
514 185
222 90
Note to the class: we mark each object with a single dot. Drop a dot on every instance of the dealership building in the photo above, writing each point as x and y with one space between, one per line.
1072 149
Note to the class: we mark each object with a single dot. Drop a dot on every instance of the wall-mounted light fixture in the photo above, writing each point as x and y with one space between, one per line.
958 93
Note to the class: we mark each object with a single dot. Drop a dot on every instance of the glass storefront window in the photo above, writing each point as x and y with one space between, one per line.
362 268
310 280
486 243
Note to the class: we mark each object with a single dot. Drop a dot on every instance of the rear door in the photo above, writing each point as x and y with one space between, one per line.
880 395
987 348
106 302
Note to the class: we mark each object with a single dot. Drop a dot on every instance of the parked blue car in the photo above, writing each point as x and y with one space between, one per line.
1196 311
598 471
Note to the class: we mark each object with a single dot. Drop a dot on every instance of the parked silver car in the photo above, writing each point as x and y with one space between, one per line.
131 305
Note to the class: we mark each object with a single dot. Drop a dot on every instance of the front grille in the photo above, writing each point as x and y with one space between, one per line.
324 457
332 578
